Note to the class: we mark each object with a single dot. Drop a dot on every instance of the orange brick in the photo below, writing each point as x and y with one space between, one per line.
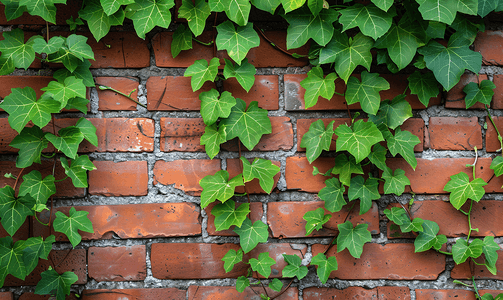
119 294
36 82
444 294
123 135
129 178
314 293
456 96
264 90
488 43
455 133
110 100
252 187
463 271
498 92
230 292
181 134
298 173
117 263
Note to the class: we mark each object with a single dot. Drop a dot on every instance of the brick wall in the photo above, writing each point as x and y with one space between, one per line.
152 240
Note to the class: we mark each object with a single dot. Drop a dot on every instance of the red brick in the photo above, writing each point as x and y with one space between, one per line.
134 294
73 260
298 173
6 296
161 44
230 292
393 293
110 100
63 13
255 215
492 142
444 294
455 133
286 218
181 134
498 92
314 293
264 90
128 178
36 82
489 44
463 271
185 174
456 96
6 136
117 263
391 261
32 296
253 187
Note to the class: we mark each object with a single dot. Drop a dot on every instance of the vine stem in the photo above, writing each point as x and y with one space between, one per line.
469 222
345 219
496 128
283 291
17 179
104 87
274 45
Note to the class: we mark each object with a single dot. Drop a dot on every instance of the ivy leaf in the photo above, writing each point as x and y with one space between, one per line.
22 106
77 45
182 40
291 5
212 138
371 20
61 92
378 156
244 73
202 72
359 139
347 53
35 248
14 48
262 169
424 85
11 259
214 105
38 188
54 284
486 6
97 19
315 220
294 267
403 142
247 124
13 11
428 237
415 225
325 266
250 235
43 8
475 93
88 130
276 285
226 214
231 258
366 92
469 7
317 85
333 195
315 6
237 10
266 5
30 142
238 41
449 63
112 6
393 113
77 220
146 14
6 65
196 14
383 4
242 283
13 211
68 140
81 72
366 191
490 248
216 5
77 170
461 189
353 238
395 183
461 250
345 167
303 26
397 215
438 10
317 139
218 187
263 264
497 166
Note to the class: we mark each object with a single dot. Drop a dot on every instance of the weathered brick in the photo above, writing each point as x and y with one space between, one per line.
464 270
8 134
185 174
456 96
253 187
416 127
450 294
181 134
391 261
492 142
498 92
382 292
117 263
393 293
489 44
134 294
264 90
455 133
6 296
298 173
286 218
128 178
35 82
110 100
32 296
255 215
230 292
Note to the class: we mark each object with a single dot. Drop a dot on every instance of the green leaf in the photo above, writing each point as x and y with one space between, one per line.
77 170
365 190
461 189
490 248
81 72
486 6
13 211
216 5
13 10
196 14
262 169
395 183
214 105
428 237
294 268
68 140
266 5
435 30
73 24
231 258
30 143
226 214
475 93
61 92
6 65
333 195
244 73
11 259
347 53
97 19
73 53
88 131
317 85
77 103
359 139
250 235
403 142
461 250
415 225
497 165
449 63
238 41
212 138
315 220
242 283
393 113
317 139
77 220
325 266
345 167
112 6
38 188
303 26
438 10
146 14
263 264
371 20
353 238
202 72
315 6
276 285
397 215
54 284
43 8
290 5
22 106
182 40
424 85
14 48
366 92
378 156
35 248
247 124
218 187
383 4
237 10
469 7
